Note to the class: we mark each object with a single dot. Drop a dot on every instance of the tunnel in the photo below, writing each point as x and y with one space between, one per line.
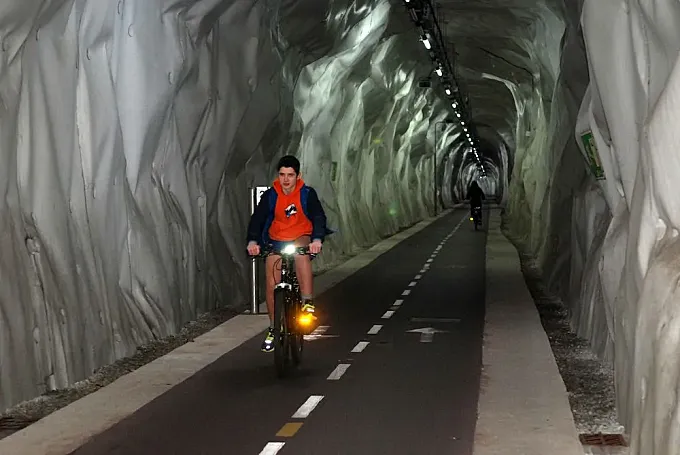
132 133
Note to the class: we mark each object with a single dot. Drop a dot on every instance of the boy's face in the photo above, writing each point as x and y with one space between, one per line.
288 178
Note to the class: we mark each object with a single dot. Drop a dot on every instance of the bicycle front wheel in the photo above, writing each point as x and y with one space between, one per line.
281 330
297 338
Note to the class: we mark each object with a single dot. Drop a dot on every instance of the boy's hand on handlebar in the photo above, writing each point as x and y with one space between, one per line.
253 249
315 247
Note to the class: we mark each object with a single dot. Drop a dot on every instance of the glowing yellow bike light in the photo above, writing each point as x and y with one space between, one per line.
305 319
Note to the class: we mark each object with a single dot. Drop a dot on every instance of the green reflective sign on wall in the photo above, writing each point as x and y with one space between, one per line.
592 155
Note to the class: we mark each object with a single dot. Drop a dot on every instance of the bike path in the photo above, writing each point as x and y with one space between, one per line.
399 392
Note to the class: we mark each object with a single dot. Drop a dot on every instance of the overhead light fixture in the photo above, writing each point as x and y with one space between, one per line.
458 114
439 72
448 92
426 42
455 105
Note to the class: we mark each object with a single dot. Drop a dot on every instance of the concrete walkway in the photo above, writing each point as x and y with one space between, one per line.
523 404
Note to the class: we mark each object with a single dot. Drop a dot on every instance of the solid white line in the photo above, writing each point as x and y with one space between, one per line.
307 407
398 302
360 346
388 314
338 372
412 283
272 448
406 292
417 277
375 329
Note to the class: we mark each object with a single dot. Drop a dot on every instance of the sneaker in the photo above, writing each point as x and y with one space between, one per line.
308 307
268 343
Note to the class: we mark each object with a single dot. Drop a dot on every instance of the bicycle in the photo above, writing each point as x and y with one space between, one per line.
290 323
476 217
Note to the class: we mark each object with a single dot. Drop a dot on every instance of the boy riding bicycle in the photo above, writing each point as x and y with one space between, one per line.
289 212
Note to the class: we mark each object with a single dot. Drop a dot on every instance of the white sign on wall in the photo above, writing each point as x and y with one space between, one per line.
259 191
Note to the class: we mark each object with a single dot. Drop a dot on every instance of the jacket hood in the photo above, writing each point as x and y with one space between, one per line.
279 189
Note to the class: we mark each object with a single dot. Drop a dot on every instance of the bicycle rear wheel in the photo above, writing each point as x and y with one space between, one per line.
281 330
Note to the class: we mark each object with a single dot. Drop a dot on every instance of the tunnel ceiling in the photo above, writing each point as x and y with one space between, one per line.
493 47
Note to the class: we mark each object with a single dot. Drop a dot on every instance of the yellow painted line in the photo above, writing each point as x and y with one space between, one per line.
289 430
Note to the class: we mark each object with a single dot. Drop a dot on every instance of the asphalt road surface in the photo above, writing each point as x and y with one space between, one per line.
393 369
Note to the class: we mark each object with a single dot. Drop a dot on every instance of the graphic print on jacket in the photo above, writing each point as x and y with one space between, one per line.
289 221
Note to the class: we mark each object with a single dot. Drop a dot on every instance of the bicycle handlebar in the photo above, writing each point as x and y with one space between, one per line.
268 250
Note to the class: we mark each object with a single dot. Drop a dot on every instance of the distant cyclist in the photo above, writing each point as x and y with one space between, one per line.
289 212
476 196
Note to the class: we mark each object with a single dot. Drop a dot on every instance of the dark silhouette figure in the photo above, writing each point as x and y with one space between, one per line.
475 195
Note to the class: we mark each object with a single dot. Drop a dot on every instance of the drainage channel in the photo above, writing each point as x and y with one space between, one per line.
604 444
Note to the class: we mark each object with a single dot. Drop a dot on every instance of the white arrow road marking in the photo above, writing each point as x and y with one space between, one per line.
426 333
313 337
318 334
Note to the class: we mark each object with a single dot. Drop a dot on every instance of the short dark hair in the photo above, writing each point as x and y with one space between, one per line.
289 161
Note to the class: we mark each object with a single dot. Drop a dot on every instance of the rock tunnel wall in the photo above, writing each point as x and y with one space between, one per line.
610 247
130 133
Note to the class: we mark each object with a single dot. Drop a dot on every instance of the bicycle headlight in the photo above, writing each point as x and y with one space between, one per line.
289 249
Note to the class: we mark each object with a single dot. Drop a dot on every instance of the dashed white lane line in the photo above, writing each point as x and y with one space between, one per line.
272 448
388 314
417 277
338 372
360 346
375 329
406 292
412 283
307 407
429 260
398 302
423 270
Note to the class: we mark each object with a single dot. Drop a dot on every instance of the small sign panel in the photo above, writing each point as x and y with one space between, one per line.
259 191
592 155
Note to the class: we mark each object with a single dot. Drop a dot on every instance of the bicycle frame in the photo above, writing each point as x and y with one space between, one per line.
476 216
288 320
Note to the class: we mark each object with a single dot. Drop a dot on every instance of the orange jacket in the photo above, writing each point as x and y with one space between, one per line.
289 221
